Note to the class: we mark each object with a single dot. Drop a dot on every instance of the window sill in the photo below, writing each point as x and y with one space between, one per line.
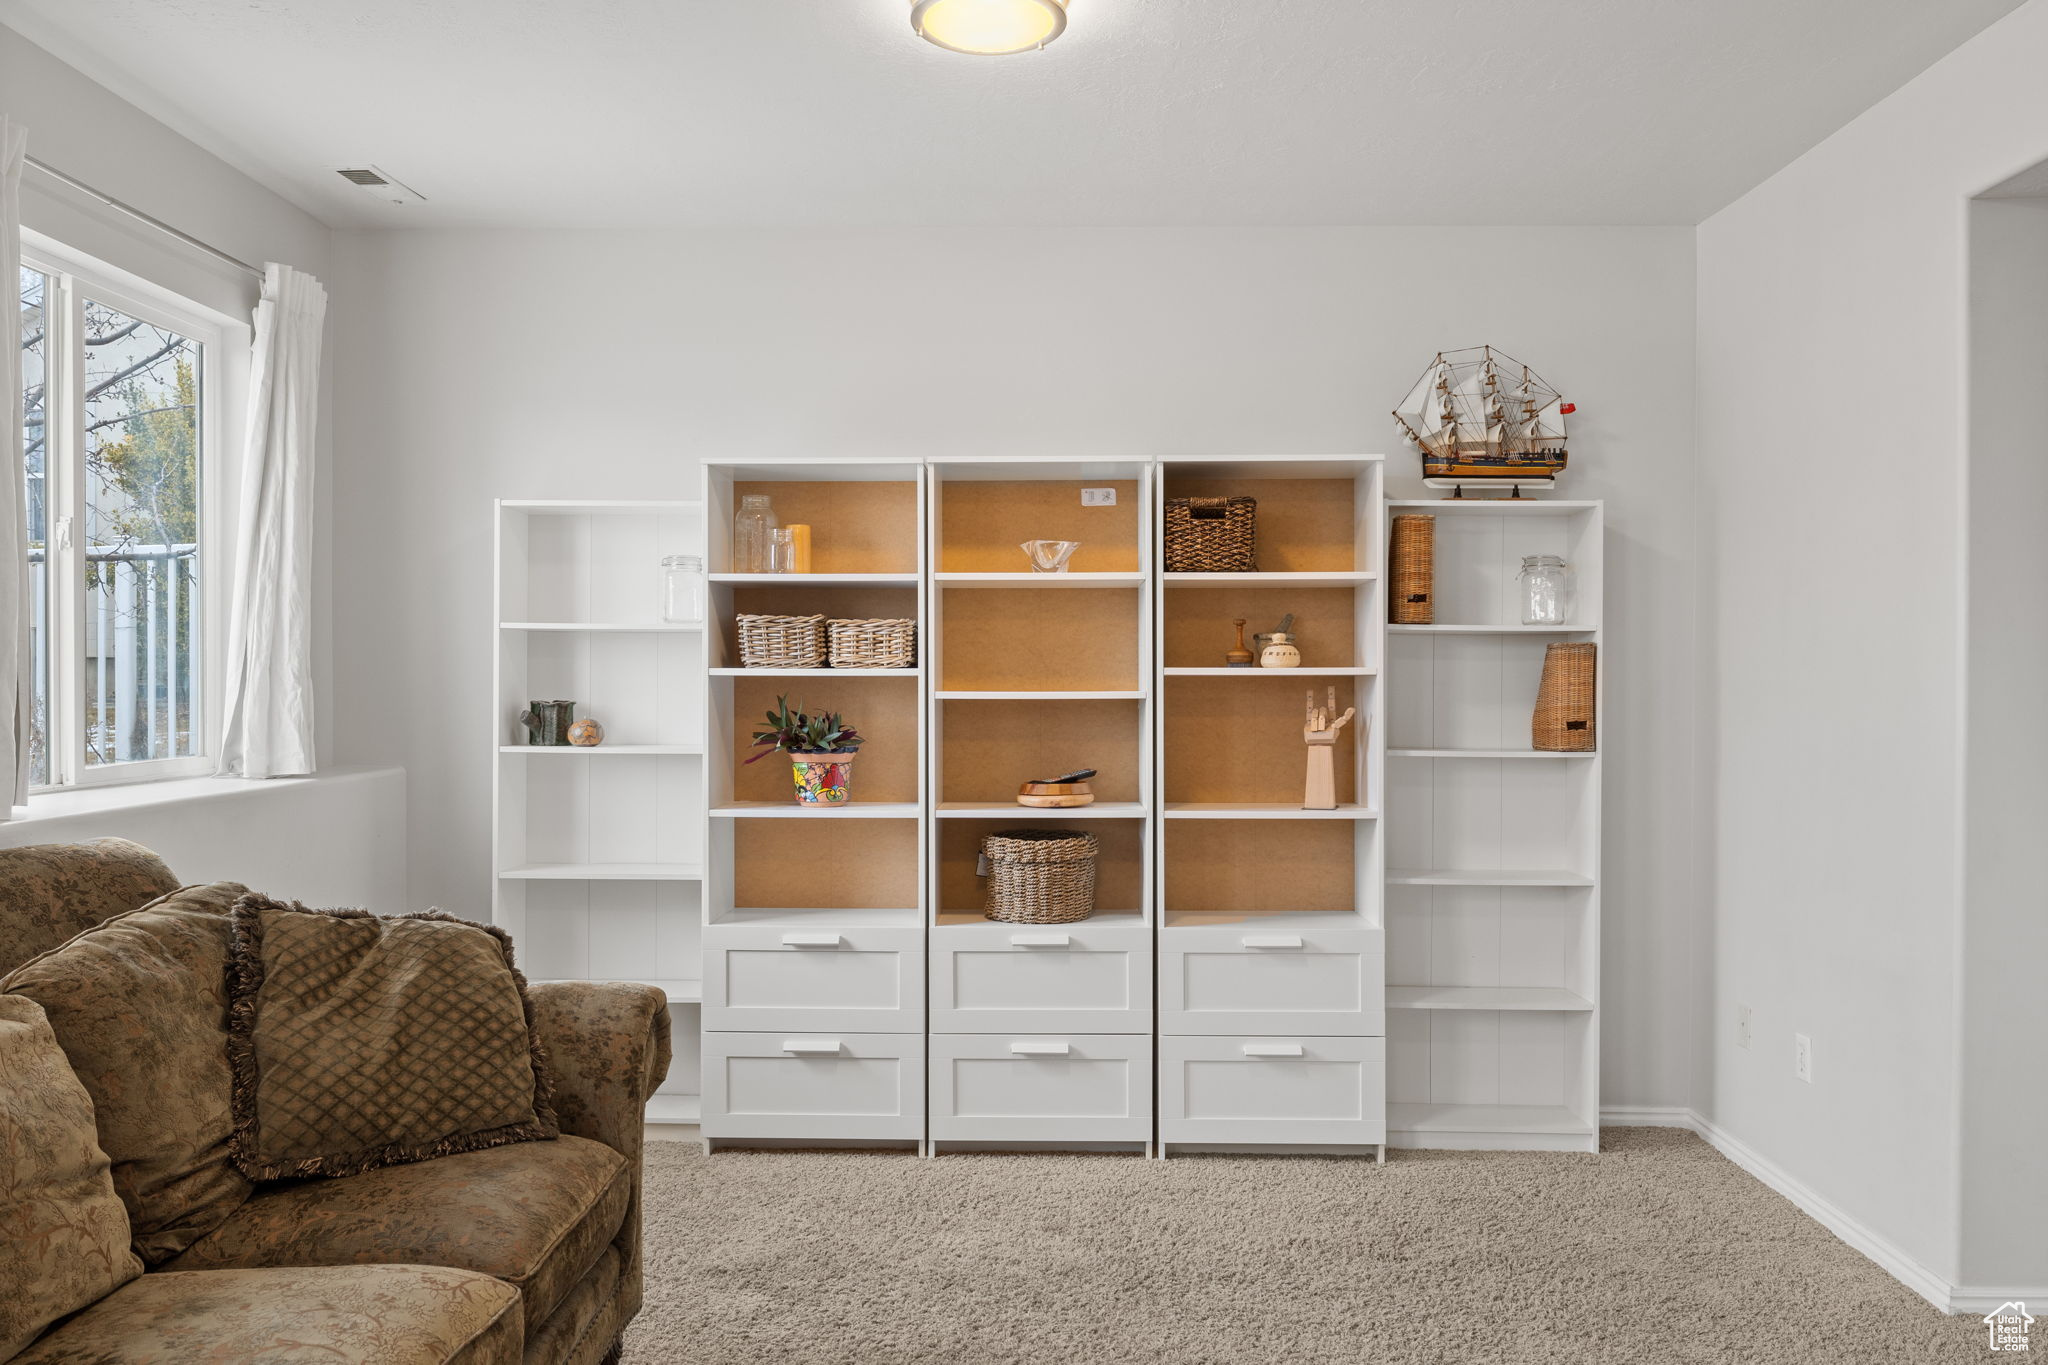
77 801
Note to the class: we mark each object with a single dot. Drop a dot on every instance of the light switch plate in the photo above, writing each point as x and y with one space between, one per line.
1098 497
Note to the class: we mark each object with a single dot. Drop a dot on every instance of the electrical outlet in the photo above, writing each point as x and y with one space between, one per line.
1098 497
1742 1025
1802 1057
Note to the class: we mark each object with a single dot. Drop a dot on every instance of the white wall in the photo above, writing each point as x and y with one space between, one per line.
1831 522
481 365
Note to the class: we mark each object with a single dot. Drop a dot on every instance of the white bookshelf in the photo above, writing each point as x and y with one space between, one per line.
1493 898
598 854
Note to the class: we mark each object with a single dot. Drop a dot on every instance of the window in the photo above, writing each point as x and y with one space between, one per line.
117 439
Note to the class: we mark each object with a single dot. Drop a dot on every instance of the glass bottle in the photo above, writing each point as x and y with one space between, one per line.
1546 586
782 550
750 528
682 588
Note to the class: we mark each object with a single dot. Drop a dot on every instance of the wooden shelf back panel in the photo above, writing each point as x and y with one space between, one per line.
884 710
856 527
1024 640
1259 865
1199 633
989 747
982 524
1305 525
1238 741
825 864
1119 867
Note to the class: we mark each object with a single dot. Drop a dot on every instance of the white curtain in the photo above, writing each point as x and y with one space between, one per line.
269 729
17 695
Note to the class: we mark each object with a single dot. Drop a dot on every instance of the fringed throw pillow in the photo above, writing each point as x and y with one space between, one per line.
359 1041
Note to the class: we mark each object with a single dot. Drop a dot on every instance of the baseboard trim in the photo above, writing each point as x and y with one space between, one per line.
1948 1297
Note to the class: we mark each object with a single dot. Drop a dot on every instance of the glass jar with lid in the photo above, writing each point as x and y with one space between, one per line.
682 589
751 548
1546 589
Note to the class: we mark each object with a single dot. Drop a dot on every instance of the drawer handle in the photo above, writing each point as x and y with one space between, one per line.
1271 940
1040 940
811 940
1040 1049
807 1046
1272 1049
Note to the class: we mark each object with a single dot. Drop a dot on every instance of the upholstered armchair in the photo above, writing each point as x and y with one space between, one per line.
528 1252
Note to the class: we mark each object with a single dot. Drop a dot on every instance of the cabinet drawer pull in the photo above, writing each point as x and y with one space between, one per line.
811 940
808 1046
1272 1049
1271 940
1040 940
1040 1049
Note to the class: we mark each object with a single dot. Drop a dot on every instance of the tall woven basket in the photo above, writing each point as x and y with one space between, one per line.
1412 568
1040 876
1212 535
1564 700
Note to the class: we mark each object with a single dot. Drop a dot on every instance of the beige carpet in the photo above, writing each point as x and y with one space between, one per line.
1656 1250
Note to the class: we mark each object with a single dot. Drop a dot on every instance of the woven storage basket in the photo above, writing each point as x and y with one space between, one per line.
1412 566
872 644
1564 700
781 641
1211 535
1040 876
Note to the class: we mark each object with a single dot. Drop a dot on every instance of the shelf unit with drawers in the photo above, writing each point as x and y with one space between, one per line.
1041 1035
1493 899
598 853
1271 1023
814 919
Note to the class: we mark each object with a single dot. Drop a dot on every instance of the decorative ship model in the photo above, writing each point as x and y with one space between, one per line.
1481 417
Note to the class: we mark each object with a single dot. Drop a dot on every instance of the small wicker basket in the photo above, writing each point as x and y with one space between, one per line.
872 644
1040 876
1211 535
1563 722
1412 567
781 641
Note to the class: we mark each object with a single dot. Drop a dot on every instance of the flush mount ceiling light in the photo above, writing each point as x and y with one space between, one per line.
988 28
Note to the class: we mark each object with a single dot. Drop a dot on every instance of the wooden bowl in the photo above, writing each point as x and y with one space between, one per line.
1055 795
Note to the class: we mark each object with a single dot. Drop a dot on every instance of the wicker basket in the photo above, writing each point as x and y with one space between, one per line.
781 641
1412 567
1211 535
872 644
1040 876
1564 700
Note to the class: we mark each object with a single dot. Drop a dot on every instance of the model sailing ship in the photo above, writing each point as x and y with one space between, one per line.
1481 417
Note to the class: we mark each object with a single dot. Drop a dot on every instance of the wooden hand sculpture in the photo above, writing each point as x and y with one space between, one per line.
1319 732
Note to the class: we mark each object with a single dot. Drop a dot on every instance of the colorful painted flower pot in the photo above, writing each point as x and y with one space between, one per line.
822 779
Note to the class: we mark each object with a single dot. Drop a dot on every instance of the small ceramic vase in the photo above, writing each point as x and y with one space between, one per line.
547 722
1238 656
823 779
1280 653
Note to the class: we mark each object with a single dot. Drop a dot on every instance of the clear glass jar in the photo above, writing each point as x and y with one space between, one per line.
750 528
682 588
1547 586
782 550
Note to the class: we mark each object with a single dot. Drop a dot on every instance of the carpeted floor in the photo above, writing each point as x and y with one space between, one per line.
1656 1250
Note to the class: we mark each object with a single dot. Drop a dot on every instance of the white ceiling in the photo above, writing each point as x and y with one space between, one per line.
598 113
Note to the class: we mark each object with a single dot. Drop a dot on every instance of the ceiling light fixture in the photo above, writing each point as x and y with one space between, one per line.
988 28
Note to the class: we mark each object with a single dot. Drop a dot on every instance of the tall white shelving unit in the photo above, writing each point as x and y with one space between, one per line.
1493 910
598 853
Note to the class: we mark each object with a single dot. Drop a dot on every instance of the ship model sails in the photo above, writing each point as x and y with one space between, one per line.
1480 416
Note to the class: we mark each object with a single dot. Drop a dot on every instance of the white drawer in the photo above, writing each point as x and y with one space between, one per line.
1260 1090
858 980
1328 982
813 1085
1068 978
1042 1087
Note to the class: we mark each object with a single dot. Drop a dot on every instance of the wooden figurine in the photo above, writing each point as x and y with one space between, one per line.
1238 657
1319 732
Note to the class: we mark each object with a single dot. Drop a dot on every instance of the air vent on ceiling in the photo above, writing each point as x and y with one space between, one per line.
371 180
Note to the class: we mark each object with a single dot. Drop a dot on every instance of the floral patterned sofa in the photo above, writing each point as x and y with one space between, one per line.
523 1253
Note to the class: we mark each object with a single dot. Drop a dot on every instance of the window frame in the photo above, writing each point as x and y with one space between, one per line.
72 278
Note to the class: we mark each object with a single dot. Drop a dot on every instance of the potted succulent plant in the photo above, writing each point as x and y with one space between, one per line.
821 748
